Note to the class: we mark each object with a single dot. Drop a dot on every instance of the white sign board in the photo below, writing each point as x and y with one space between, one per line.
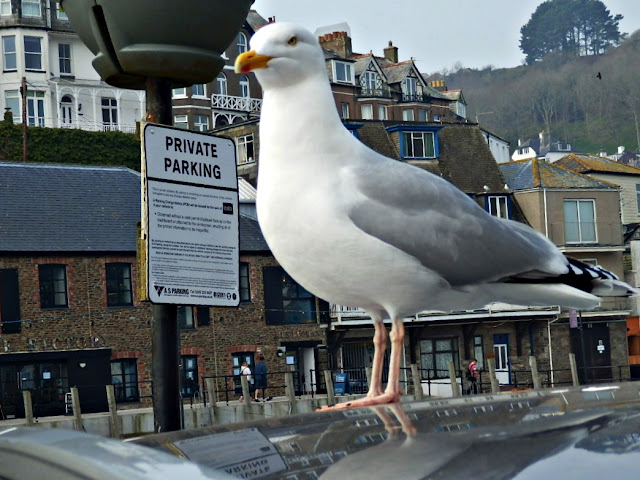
190 212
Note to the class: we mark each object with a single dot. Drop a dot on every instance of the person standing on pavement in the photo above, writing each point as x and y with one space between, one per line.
246 371
261 379
472 377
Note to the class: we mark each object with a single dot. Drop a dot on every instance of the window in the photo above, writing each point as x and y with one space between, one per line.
32 53
181 121
423 116
342 72
241 43
9 301
5 7
286 302
498 206
66 110
245 149
344 111
185 317
9 53
407 115
245 290
367 111
579 221
53 286
179 92
221 84
478 351
638 196
197 90
124 377
109 112
410 85
202 314
61 14
64 57
382 112
368 82
31 8
189 376
200 123
435 355
35 108
237 359
418 145
244 86
119 289
436 118
12 102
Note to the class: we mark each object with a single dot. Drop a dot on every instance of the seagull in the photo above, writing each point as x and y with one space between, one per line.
359 229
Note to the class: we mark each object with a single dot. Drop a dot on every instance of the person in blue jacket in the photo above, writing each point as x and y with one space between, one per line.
261 379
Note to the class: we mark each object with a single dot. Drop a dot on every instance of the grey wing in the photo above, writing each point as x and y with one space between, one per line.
430 219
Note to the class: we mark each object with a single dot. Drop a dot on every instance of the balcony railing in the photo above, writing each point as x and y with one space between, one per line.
414 97
100 127
239 104
375 92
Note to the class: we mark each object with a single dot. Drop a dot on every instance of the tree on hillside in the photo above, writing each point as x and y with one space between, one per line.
573 27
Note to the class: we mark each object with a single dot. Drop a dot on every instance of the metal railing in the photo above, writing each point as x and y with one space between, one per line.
242 104
100 127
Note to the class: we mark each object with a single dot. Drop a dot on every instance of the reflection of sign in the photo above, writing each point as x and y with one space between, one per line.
190 213
243 454
600 346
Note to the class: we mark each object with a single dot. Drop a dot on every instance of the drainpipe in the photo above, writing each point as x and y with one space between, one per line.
546 219
549 322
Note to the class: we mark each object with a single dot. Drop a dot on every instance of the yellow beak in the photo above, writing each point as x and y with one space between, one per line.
248 61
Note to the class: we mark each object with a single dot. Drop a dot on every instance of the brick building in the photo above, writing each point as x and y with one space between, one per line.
69 316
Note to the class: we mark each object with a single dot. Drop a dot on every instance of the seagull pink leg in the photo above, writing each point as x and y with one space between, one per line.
375 395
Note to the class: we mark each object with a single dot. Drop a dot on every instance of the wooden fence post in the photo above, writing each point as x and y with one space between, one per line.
495 386
537 384
77 414
455 389
574 370
328 380
28 406
291 391
418 394
114 421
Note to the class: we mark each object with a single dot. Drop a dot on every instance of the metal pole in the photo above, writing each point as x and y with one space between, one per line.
23 94
165 335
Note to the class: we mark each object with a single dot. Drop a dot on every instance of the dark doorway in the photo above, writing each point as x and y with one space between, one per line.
590 342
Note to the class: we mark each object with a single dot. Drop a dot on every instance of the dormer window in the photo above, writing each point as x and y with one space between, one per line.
343 72
417 142
564 147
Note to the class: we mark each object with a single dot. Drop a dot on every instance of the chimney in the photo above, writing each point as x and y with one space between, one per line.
391 53
338 43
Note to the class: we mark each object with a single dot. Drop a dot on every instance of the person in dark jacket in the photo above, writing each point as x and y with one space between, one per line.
261 379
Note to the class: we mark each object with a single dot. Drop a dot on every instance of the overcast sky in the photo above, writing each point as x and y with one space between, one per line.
436 33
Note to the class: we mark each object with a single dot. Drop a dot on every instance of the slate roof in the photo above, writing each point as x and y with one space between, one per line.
536 173
465 159
64 208
586 163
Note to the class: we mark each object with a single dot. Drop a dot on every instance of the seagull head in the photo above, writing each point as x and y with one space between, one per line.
282 54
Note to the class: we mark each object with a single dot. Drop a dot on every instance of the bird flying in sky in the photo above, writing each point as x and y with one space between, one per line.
358 229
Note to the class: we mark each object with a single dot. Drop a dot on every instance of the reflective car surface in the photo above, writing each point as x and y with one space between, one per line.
578 432
37 453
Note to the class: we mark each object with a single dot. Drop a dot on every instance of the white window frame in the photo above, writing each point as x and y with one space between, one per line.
5 8
423 116
200 122
408 115
245 92
111 109
66 110
9 55
241 43
583 236
367 111
221 84
179 92
344 111
29 8
62 60
196 87
383 112
35 108
343 72
12 101
410 86
243 144
181 121
409 147
31 55
498 206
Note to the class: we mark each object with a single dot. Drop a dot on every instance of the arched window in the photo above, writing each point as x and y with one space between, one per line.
66 110
221 84
241 42
244 86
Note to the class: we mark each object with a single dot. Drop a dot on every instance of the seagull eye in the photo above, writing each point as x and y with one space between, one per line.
292 41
